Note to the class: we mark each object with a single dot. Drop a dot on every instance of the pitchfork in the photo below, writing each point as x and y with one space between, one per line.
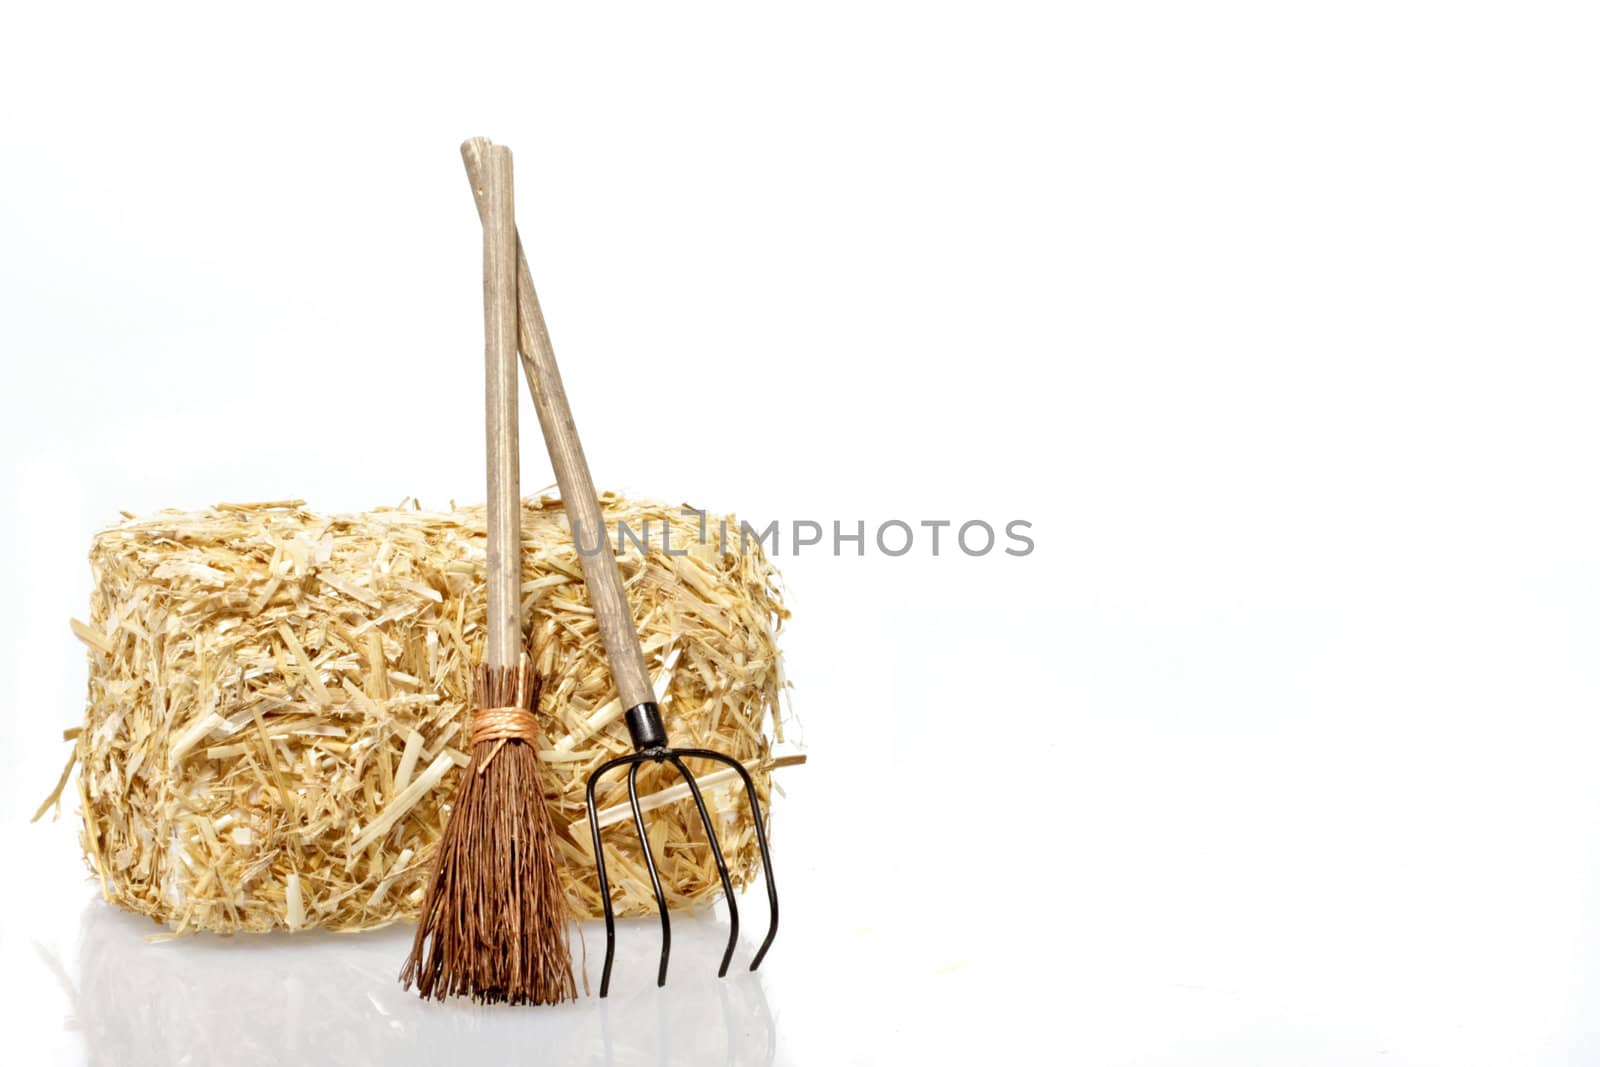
603 579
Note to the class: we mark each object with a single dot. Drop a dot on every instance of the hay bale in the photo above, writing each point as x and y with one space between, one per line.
278 705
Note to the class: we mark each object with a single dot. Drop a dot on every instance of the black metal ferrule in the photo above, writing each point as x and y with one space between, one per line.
645 726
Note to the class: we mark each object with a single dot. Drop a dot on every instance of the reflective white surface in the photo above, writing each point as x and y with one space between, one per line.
323 998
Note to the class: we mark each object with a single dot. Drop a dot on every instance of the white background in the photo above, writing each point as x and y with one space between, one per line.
1278 322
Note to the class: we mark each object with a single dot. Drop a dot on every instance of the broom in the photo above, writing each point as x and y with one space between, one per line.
494 922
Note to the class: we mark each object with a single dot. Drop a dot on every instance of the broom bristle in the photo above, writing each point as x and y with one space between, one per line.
494 924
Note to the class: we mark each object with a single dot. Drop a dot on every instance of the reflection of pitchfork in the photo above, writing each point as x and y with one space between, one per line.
603 579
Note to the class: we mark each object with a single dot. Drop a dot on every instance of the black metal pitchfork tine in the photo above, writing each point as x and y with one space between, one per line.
645 739
603 580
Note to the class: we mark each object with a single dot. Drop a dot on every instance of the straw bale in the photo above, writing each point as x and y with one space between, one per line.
278 704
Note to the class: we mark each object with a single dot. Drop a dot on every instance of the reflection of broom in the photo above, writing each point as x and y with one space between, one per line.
494 924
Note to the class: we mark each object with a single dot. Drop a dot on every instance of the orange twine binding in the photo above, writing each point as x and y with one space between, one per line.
502 725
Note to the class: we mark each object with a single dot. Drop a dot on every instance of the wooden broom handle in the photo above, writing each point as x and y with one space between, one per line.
601 575
503 642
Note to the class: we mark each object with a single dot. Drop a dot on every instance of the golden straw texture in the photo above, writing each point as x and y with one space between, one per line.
279 705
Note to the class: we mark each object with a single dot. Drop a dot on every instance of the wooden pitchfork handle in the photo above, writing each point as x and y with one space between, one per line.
601 574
